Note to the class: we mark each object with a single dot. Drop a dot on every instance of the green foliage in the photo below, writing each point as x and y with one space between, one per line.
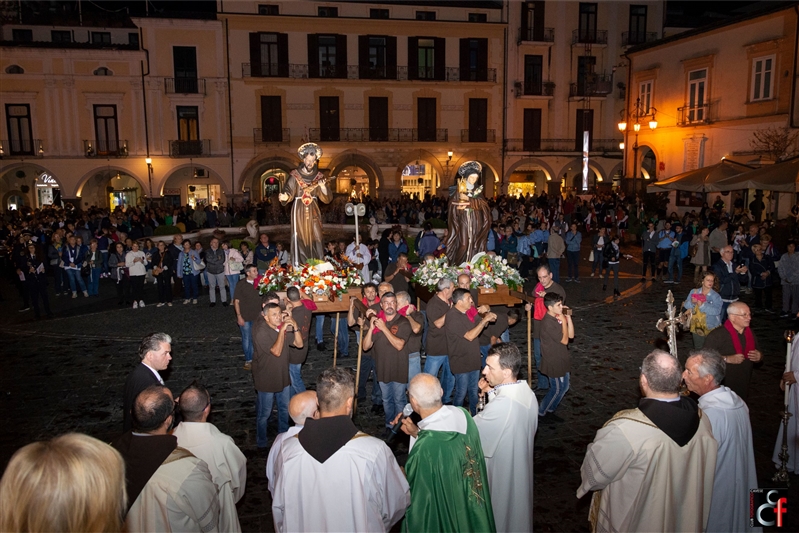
437 223
241 223
166 230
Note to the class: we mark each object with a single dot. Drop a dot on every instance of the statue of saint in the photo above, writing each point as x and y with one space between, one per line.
305 186
469 216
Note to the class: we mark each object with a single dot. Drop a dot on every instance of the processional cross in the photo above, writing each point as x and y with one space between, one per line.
672 322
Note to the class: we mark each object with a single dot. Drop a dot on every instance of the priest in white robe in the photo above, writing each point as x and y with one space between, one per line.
301 407
735 462
332 477
227 464
789 380
507 429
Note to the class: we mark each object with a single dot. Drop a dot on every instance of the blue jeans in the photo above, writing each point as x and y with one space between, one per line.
246 341
94 281
343 336
191 286
393 399
320 328
263 410
432 365
554 266
505 337
424 328
75 278
232 279
543 381
104 255
367 367
414 365
573 260
598 259
557 390
484 353
297 386
466 383
675 258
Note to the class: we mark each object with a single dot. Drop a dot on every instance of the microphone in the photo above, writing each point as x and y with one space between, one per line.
406 412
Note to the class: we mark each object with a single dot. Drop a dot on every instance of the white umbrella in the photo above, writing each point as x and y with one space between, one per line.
702 179
781 177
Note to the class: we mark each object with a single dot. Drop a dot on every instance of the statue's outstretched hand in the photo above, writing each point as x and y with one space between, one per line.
283 197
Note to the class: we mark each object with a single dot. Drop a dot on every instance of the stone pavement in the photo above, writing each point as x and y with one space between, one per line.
67 374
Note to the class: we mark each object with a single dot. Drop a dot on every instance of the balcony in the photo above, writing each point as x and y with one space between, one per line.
105 148
378 135
369 72
478 136
531 35
535 88
260 135
586 36
592 85
184 85
693 115
560 145
630 38
189 148
21 147
471 74
273 70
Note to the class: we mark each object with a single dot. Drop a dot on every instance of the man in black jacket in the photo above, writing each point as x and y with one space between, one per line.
729 284
174 253
155 353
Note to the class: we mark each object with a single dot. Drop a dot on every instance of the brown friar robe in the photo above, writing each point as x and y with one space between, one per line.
468 227
306 217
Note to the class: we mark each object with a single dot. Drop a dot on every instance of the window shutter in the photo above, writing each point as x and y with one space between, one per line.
313 55
283 55
413 58
363 55
464 58
440 71
538 22
524 29
341 56
482 60
391 58
255 55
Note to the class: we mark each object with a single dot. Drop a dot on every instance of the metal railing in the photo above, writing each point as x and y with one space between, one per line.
184 85
592 85
378 135
529 34
105 148
535 88
17 147
471 74
190 148
273 70
260 135
691 115
586 36
478 136
560 145
629 38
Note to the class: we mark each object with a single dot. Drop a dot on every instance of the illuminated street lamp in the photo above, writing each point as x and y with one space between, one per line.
637 115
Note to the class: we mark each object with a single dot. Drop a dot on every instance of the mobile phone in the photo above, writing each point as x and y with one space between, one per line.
567 311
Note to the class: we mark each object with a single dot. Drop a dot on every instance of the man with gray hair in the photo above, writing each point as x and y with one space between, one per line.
436 346
154 356
302 406
652 466
729 418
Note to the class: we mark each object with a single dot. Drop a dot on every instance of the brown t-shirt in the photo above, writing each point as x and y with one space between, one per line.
249 301
555 360
495 329
392 364
436 337
399 282
415 342
302 315
464 355
537 323
356 314
269 373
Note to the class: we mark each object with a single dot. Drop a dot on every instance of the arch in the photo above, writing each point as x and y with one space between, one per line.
647 167
15 69
174 170
107 168
353 158
103 71
19 165
528 161
412 157
261 163
10 194
576 166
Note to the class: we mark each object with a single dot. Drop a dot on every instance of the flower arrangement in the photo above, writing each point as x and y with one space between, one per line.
329 278
489 271
429 273
274 279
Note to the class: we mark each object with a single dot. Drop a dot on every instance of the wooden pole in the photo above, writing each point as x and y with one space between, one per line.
335 342
529 349
358 371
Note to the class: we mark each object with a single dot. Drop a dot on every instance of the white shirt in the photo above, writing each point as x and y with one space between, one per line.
277 445
154 371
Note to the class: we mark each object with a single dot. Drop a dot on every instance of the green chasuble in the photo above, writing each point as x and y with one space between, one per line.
449 486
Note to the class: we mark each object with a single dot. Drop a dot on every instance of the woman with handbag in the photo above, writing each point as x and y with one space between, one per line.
163 274
700 253
234 264
137 268
119 273
705 304
94 261
189 266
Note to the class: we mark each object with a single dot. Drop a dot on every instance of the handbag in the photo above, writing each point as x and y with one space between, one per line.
235 266
591 256
85 270
198 266
699 322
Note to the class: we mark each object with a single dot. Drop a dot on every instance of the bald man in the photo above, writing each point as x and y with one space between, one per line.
301 407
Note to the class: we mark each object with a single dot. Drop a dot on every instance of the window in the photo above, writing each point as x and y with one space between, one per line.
188 123
478 120
478 17
61 36
185 64
426 56
15 69
425 15
329 118
637 26
426 119
585 70
24 36
101 37
696 95
762 75
378 14
533 74
473 60
532 130
20 135
532 21
271 119
269 54
645 94
378 118
133 39
103 71
327 11
377 57
268 9
587 27
105 126
327 56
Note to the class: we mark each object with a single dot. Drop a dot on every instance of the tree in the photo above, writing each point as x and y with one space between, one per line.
778 143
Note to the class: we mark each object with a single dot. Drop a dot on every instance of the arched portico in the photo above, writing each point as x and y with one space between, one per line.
42 187
193 184
344 162
111 186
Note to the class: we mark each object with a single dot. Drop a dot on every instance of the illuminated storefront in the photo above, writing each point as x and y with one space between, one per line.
418 179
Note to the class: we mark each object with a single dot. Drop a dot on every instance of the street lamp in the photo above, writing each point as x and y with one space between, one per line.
149 162
636 115
358 210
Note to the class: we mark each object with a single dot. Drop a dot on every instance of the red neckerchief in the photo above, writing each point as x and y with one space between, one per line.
749 338
310 305
471 313
366 302
540 309
403 310
381 315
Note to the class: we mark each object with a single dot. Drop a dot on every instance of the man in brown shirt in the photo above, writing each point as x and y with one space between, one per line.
388 334
492 334
270 368
547 281
416 320
371 300
463 329
397 274
248 309
436 343
556 330
302 316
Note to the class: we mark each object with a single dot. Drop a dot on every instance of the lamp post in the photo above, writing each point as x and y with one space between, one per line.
149 162
636 115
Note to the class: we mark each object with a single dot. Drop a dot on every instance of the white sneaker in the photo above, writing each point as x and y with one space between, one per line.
86 294
141 303
74 294
186 301
194 301
135 305
160 304
169 304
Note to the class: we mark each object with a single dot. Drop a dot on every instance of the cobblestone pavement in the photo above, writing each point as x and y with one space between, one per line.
67 374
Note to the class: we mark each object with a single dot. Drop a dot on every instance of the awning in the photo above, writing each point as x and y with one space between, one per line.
702 179
780 177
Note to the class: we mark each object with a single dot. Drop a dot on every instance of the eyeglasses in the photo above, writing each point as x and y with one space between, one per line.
747 315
